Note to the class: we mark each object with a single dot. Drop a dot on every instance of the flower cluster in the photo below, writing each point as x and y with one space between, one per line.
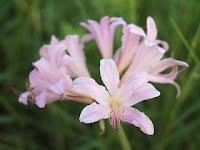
61 72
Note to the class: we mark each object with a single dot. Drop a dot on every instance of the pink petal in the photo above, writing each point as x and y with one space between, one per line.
54 40
137 30
166 63
46 69
23 98
125 92
164 44
109 75
151 29
74 48
145 92
145 57
41 99
130 43
93 113
169 78
139 119
58 86
89 87
86 38
38 81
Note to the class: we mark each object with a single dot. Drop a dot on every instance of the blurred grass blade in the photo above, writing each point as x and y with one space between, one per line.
193 109
196 38
187 45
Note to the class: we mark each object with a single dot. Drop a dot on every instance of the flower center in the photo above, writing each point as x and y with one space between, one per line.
115 114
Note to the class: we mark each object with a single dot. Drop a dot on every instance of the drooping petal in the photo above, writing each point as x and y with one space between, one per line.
166 63
41 99
138 119
89 87
151 29
23 98
166 79
93 113
145 92
126 90
109 75
164 44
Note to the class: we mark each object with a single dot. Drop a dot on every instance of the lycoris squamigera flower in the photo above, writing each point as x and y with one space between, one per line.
115 102
50 80
103 33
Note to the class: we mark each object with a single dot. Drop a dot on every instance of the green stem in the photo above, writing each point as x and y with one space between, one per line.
123 139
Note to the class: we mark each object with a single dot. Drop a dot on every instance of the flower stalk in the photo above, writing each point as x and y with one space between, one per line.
123 139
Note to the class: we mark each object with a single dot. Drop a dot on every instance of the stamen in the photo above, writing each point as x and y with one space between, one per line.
115 115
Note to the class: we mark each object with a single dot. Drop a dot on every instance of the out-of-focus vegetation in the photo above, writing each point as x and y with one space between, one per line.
27 24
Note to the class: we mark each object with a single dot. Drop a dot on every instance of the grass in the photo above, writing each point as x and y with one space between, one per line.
27 24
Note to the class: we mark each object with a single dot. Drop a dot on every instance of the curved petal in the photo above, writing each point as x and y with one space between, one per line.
59 86
166 63
138 119
89 87
130 85
93 113
137 30
109 75
151 29
41 99
164 44
168 79
23 98
144 92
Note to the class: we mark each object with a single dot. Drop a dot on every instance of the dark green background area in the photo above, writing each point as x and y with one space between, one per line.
25 25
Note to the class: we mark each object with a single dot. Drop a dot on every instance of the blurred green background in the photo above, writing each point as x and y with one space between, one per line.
27 24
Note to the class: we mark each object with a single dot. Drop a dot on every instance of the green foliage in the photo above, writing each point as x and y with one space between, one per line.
27 24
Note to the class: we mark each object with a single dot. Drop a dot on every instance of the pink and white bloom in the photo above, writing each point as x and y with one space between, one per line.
103 33
149 59
77 67
115 102
131 41
49 80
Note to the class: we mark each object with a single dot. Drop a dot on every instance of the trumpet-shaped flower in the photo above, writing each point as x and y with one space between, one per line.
115 102
77 67
103 33
49 80
149 59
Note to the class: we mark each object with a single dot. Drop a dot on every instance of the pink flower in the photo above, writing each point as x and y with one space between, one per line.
103 33
116 102
131 40
77 67
49 80
149 59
